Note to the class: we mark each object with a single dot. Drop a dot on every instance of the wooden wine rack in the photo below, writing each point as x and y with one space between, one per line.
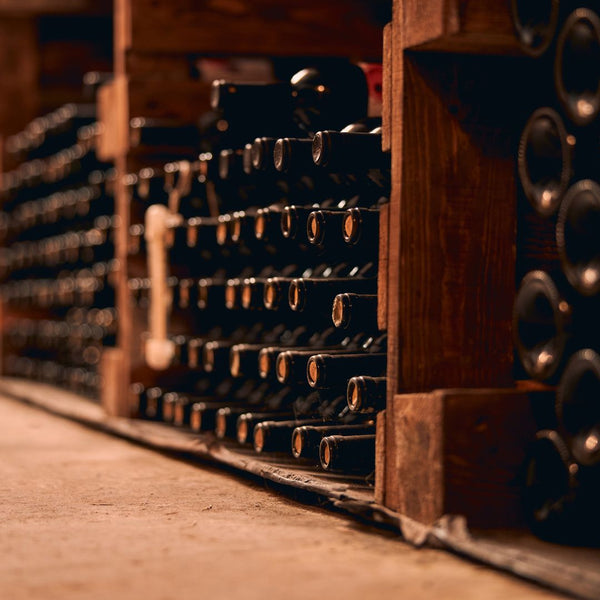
453 436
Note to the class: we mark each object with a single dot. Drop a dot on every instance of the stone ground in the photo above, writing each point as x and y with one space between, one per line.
87 515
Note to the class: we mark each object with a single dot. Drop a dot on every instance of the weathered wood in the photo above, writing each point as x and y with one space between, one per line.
265 27
380 456
113 115
113 401
451 288
54 7
382 273
20 67
479 26
387 88
460 452
183 101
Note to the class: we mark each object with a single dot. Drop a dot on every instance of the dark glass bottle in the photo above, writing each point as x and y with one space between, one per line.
577 236
577 406
360 227
317 294
247 421
314 99
355 311
577 66
545 160
349 151
366 394
541 325
535 24
348 453
307 439
272 436
550 488
330 370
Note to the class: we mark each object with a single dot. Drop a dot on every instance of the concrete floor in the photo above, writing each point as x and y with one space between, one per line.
86 515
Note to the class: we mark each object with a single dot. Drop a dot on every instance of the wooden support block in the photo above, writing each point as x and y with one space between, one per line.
114 401
380 458
258 27
459 452
382 273
386 85
113 115
473 26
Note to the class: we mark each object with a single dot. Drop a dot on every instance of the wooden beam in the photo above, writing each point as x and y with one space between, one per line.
259 27
460 452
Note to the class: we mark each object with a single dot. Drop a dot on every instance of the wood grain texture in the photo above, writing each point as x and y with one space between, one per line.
382 273
113 115
266 27
20 68
380 455
53 7
472 26
112 399
181 100
451 287
415 484
387 88
460 452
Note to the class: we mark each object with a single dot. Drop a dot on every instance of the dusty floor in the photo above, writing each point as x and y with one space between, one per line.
85 515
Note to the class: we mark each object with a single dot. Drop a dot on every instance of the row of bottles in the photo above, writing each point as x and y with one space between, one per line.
272 249
57 264
555 325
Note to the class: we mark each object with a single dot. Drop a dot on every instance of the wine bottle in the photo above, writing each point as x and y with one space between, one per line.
154 403
166 135
360 227
535 25
545 160
267 357
355 311
293 156
324 230
272 436
291 365
329 370
577 236
550 488
307 439
349 453
329 96
366 394
243 359
351 152
151 186
577 406
577 66
247 421
169 400
317 294
211 293
541 325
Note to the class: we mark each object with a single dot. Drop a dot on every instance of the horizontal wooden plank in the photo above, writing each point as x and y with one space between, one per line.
51 7
480 26
259 27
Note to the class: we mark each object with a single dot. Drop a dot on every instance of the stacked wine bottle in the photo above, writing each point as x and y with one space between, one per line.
273 263
58 252
556 326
